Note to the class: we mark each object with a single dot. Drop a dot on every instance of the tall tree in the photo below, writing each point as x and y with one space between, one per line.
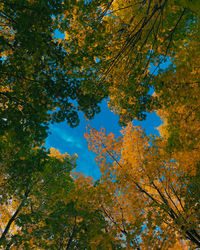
178 93
148 194
52 209
45 78
153 195
31 178
145 34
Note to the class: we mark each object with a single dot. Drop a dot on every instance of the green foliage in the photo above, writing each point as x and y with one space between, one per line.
148 194
45 79
146 35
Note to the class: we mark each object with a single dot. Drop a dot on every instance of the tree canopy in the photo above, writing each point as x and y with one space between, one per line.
60 58
147 36
155 201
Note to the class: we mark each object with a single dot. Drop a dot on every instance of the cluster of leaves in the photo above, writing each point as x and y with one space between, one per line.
46 79
46 208
154 182
147 197
146 35
154 199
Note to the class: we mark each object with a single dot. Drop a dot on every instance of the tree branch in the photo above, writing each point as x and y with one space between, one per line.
3 236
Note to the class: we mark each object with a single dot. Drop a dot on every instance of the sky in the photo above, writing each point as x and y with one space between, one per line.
71 140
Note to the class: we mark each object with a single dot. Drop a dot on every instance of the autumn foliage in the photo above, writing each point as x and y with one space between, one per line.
60 58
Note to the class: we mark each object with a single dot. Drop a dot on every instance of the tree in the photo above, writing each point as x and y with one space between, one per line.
145 34
148 194
44 78
32 180
178 93
155 199
52 209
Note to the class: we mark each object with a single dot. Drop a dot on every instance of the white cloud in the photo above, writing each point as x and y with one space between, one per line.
66 137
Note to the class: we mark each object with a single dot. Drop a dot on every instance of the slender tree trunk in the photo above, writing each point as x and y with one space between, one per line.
3 236
72 234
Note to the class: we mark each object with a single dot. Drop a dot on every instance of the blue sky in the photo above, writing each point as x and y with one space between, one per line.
71 140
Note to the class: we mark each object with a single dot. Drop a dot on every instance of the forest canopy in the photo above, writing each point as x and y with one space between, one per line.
143 56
